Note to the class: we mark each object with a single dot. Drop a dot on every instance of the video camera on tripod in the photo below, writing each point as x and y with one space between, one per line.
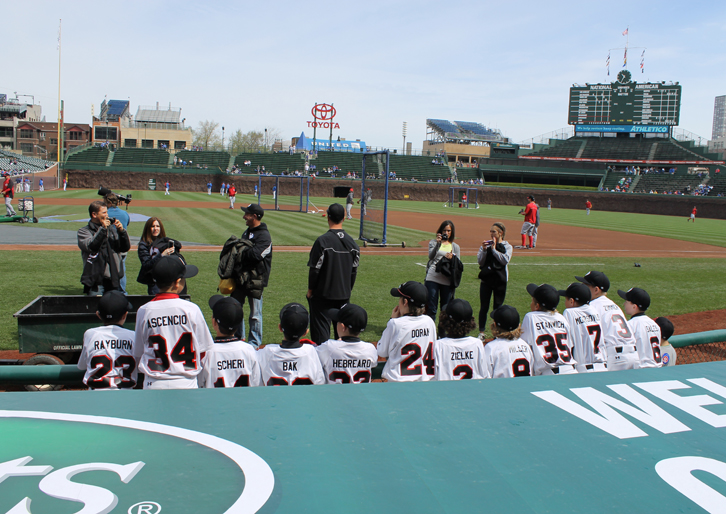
103 191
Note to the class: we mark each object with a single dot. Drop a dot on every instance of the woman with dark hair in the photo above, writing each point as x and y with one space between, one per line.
438 285
493 258
153 246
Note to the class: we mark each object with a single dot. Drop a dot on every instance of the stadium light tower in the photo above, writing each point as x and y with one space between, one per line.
404 138
223 138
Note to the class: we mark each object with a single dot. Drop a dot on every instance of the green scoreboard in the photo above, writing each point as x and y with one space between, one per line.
625 103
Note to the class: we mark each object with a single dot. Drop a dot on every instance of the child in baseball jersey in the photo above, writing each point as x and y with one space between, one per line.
667 352
618 342
646 331
408 339
348 360
507 355
231 362
291 362
171 333
108 351
585 329
547 332
458 356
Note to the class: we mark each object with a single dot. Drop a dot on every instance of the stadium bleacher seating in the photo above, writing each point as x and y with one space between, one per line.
444 126
719 185
418 167
475 128
274 163
25 163
666 183
213 160
140 157
92 155
558 148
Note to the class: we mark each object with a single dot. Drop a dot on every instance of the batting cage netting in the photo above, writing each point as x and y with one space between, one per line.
374 207
465 197
286 193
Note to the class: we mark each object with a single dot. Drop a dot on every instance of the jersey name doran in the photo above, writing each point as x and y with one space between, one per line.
166 321
542 325
420 332
113 344
352 363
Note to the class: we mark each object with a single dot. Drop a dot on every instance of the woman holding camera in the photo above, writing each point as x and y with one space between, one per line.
439 285
493 258
153 246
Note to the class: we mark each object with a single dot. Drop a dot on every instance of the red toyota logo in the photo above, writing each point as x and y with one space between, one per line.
323 112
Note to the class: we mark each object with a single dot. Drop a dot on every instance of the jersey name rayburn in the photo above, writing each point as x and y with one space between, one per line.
113 344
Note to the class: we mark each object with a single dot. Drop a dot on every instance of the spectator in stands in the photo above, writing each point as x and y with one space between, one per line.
153 246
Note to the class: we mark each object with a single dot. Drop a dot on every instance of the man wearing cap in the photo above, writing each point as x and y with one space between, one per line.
617 338
407 341
231 362
171 333
546 331
585 329
507 355
349 204
645 330
101 244
348 360
8 194
333 265
108 351
259 262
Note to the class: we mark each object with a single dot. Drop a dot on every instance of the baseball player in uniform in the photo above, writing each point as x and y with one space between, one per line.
645 330
8 194
507 355
530 218
209 188
617 339
291 362
167 185
230 362
585 329
232 195
693 215
458 356
588 206
222 189
667 352
547 332
348 360
171 333
349 204
108 351
408 339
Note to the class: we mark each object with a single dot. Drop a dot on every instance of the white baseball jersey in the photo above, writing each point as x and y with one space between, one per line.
230 363
647 340
547 333
459 359
505 358
586 337
616 331
108 358
171 335
408 344
290 366
347 362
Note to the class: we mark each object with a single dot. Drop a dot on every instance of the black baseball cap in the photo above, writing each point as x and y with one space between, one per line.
113 305
352 316
578 292
459 310
255 209
666 327
294 320
227 311
546 295
506 317
414 292
637 296
336 212
172 267
595 279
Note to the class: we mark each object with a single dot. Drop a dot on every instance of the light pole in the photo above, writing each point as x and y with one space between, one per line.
266 149
223 139
404 138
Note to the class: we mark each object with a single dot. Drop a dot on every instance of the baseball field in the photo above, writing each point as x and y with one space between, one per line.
681 263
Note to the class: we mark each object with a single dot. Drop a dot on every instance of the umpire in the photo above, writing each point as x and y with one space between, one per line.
333 266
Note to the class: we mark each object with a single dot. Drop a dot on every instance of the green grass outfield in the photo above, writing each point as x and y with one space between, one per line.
677 286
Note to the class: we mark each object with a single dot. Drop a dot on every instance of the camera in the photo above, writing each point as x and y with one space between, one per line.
103 191
444 237
112 220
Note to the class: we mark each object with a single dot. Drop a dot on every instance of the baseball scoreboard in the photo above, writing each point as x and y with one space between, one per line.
625 103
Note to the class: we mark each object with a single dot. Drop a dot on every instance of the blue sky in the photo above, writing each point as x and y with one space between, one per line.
251 65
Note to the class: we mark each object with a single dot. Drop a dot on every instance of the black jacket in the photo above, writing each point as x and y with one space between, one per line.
100 248
150 253
260 258
333 265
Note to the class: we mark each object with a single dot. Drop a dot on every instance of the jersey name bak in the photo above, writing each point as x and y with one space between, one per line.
505 358
647 340
547 333
459 359
171 335
108 358
585 335
230 364
290 366
408 344
616 331
347 362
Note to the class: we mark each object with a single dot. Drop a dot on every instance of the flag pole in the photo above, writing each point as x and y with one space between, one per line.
60 120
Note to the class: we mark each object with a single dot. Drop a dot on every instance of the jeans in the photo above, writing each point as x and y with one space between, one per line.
255 335
434 290
485 294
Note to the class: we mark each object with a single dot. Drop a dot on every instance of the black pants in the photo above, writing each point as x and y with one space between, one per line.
319 321
485 294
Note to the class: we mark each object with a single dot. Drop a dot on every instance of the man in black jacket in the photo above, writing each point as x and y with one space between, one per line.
258 260
101 242
333 266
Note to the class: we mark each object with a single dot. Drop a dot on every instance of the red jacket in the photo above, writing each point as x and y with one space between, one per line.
232 191
530 213
8 188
